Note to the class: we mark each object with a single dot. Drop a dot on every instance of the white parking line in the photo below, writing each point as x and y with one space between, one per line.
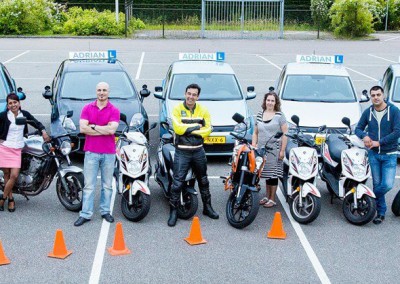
382 58
303 239
15 57
362 74
101 244
393 38
273 64
140 66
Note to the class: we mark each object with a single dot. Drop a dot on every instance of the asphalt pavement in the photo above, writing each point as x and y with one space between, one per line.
329 250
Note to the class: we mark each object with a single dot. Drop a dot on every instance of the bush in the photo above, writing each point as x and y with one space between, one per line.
353 18
26 16
320 13
394 15
78 21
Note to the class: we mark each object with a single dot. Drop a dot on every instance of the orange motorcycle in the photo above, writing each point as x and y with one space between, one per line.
243 180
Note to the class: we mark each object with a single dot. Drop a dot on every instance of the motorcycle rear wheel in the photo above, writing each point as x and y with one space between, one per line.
396 204
241 215
310 210
73 200
189 206
365 212
139 208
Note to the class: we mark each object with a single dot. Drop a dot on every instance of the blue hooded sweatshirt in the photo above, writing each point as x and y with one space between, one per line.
387 132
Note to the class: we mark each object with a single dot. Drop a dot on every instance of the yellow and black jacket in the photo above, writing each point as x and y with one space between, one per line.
188 133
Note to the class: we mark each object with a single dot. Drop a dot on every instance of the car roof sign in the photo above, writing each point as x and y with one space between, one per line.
217 56
326 59
94 56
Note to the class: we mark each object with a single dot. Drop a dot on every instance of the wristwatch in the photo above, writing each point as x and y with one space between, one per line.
94 126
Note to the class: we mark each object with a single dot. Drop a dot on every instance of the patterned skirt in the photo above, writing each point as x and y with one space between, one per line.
10 157
273 167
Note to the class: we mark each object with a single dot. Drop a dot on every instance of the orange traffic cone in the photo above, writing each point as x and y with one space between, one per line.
277 231
119 247
59 249
3 258
195 237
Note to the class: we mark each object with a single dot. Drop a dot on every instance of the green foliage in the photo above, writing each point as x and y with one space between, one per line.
27 16
353 18
78 21
394 15
320 12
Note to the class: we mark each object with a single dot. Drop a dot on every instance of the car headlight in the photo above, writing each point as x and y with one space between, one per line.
65 148
137 120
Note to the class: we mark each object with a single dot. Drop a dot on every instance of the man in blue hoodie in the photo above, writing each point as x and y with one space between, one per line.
383 121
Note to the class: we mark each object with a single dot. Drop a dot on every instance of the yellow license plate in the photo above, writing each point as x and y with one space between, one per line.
116 140
319 140
215 140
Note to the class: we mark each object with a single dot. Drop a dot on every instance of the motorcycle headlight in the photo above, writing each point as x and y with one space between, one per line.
137 120
358 171
304 169
65 148
259 161
134 167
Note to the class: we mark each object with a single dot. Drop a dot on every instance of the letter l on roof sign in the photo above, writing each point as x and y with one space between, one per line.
338 58
220 56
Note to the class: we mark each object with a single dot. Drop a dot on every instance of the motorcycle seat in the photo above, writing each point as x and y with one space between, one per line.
336 146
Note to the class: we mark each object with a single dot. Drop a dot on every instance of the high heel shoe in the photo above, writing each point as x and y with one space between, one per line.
11 200
4 201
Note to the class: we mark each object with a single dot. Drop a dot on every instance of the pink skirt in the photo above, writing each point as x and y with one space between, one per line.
10 157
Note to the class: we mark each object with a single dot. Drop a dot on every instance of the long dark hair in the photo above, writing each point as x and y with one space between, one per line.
277 106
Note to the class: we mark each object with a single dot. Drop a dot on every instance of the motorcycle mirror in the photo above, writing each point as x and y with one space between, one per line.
278 135
164 125
238 117
70 113
271 89
20 121
153 125
122 117
295 119
346 121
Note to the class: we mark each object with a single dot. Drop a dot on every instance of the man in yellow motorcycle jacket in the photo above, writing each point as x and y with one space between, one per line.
191 122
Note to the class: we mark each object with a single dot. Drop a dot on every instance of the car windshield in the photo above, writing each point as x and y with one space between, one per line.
82 85
318 88
396 90
214 87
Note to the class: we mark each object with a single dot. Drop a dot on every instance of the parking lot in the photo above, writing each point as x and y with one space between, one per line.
329 250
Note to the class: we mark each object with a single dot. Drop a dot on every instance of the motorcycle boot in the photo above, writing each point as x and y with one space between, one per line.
173 213
207 208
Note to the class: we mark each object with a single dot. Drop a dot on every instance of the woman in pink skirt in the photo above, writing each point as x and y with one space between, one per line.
11 144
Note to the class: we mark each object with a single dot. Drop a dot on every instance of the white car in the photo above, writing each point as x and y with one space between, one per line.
221 93
391 86
319 94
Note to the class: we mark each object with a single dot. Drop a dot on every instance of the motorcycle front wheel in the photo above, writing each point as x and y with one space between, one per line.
308 212
365 212
72 201
138 209
188 208
396 204
243 214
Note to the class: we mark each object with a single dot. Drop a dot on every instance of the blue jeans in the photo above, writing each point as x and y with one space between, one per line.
93 162
383 168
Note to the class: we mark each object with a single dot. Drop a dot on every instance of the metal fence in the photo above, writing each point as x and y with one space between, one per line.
242 18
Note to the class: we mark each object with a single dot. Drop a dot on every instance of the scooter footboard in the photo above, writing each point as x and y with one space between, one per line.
309 188
363 189
139 185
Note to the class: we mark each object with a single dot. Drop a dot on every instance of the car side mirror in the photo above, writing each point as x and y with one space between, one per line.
47 94
295 119
70 113
144 92
122 117
20 121
364 97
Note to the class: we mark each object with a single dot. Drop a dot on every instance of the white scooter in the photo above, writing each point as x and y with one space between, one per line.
133 170
300 170
345 169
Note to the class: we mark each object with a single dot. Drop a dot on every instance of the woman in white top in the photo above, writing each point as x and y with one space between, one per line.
11 144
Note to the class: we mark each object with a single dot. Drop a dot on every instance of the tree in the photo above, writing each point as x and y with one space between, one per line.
320 13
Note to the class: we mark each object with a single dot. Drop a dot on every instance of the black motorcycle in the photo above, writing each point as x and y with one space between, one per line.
44 161
164 176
